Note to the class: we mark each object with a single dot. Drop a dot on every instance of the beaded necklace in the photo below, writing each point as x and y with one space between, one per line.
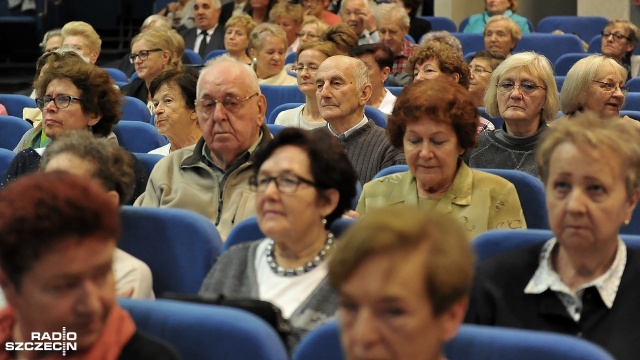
310 265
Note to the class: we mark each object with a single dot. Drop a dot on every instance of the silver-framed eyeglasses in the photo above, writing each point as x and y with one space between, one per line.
526 87
60 101
312 69
308 33
143 54
616 36
479 70
286 183
611 86
231 104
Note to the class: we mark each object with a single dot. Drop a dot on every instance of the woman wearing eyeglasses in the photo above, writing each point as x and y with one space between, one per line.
304 181
595 83
619 39
152 52
310 56
522 91
311 29
73 96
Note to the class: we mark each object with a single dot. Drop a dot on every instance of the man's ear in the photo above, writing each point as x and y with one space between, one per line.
365 94
114 197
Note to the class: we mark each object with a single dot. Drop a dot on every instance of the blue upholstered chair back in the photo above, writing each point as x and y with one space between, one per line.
179 246
214 54
134 109
473 342
278 95
566 61
137 136
116 74
441 23
531 193
6 157
495 242
550 45
585 26
12 129
14 103
148 161
280 108
207 332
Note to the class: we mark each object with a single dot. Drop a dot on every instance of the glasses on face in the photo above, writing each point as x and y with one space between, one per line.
143 54
611 86
479 70
307 34
616 36
285 183
60 101
312 69
526 87
230 103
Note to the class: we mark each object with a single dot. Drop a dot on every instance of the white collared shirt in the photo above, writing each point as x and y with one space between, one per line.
607 284
350 131
196 45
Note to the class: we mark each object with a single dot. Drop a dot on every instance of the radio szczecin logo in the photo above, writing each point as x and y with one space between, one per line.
46 341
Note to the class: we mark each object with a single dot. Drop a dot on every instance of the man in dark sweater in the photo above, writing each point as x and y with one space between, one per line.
343 88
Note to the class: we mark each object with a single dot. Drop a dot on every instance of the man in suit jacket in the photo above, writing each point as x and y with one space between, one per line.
207 15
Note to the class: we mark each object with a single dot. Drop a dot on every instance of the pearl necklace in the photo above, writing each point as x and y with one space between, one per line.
310 265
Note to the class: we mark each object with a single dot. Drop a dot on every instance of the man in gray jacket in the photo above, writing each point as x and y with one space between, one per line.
211 177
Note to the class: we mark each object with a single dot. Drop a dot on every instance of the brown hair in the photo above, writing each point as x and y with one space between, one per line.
441 101
449 60
38 212
448 259
99 93
113 164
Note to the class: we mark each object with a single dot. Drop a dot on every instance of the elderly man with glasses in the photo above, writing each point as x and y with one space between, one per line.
212 176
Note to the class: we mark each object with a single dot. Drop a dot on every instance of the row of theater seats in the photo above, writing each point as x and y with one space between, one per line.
213 332
208 332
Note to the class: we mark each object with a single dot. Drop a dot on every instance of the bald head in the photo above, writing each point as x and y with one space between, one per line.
343 89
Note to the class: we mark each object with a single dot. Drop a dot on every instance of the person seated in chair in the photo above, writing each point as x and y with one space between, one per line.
58 233
403 279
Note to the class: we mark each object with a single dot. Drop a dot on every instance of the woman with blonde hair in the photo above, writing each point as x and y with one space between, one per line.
595 83
236 36
152 52
522 91
501 34
311 29
268 47
289 17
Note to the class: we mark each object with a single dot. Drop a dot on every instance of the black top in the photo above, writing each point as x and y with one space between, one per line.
28 161
498 298
145 347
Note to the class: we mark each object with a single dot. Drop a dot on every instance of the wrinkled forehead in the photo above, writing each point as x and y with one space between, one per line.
332 69
227 78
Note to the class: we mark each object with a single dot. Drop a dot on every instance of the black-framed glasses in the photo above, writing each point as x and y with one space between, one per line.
231 104
312 69
616 36
285 183
526 87
60 101
611 86
143 54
